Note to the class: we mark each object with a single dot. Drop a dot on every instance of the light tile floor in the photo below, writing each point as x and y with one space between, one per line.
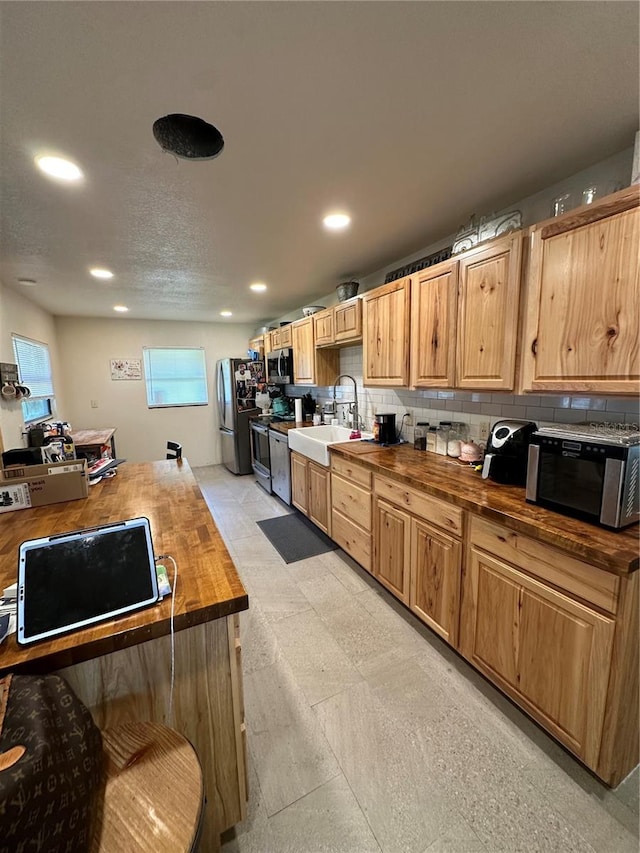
368 733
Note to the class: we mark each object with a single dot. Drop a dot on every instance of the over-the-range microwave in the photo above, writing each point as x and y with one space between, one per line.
280 367
590 473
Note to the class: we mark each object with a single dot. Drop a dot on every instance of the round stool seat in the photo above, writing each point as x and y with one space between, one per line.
153 797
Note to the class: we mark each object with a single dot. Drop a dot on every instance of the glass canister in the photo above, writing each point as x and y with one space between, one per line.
420 435
431 439
457 434
442 437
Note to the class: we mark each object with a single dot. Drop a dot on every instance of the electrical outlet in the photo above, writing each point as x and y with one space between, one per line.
484 430
94 404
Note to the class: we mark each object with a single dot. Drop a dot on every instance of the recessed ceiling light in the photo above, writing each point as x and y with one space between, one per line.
226 314
100 272
120 308
27 282
336 221
258 286
57 167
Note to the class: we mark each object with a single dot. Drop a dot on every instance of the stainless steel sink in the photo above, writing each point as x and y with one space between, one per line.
314 442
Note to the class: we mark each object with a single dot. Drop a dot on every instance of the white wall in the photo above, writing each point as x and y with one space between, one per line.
22 317
86 347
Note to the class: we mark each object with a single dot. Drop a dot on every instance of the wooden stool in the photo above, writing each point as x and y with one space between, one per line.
153 798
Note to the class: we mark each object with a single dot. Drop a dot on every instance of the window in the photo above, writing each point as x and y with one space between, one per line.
175 376
34 367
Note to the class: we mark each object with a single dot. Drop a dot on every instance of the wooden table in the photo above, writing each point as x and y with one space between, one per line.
121 669
93 440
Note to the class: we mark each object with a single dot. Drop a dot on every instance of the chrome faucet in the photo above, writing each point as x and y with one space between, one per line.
354 405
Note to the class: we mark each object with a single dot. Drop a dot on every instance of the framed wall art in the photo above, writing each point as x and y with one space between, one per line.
126 368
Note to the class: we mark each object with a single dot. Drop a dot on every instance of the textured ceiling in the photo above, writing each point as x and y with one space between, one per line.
408 115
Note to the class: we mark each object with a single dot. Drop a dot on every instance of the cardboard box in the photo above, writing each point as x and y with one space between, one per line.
25 486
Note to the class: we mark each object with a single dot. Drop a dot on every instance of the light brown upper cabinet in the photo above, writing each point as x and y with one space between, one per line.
347 321
280 338
311 366
323 327
340 325
434 304
385 338
487 317
583 300
464 319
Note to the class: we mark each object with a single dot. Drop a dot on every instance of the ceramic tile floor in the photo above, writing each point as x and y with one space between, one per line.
367 733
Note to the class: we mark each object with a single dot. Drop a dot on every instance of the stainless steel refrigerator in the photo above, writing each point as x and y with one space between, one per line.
237 381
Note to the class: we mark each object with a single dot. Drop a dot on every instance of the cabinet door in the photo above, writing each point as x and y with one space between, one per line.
257 344
545 650
303 352
584 301
385 337
323 327
347 321
392 551
276 342
299 482
488 296
285 336
435 579
320 497
434 300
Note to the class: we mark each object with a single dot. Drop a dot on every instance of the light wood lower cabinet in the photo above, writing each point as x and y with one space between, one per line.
392 550
547 651
435 578
417 553
311 490
351 515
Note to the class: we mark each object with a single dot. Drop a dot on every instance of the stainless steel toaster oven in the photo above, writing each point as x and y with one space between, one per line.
589 472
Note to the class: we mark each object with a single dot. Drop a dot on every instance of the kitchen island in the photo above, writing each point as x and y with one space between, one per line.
121 669
543 605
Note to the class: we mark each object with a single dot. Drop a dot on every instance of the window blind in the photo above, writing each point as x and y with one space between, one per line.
34 367
175 376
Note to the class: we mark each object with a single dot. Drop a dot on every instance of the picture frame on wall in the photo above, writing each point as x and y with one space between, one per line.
126 368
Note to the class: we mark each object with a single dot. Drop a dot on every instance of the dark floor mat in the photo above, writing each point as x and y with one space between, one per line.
295 537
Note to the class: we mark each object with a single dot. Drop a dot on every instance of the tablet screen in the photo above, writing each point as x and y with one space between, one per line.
70 581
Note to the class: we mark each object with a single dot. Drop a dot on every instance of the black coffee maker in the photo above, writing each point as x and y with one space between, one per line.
505 460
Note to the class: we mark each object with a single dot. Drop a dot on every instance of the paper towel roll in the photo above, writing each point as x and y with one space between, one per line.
298 410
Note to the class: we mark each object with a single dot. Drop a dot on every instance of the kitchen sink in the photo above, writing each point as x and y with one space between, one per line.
314 442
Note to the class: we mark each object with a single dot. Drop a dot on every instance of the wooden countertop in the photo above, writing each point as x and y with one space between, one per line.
181 525
616 552
285 426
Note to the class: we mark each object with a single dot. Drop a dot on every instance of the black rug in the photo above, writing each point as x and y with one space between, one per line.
295 537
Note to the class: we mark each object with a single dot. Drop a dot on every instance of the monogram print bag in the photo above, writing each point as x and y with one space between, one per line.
50 766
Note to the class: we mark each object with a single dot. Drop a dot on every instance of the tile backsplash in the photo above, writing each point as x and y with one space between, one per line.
471 407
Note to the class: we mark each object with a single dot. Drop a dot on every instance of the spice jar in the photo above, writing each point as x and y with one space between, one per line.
420 435
431 439
442 437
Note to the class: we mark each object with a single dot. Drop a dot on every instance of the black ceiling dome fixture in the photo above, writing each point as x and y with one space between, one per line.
188 137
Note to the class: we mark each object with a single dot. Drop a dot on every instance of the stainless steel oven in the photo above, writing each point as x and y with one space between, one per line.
260 455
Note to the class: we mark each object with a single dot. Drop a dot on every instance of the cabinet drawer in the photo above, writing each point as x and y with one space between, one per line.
351 538
586 582
351 501
351 471
423 506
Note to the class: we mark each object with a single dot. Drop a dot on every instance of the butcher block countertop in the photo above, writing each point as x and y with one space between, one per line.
168 495
459 484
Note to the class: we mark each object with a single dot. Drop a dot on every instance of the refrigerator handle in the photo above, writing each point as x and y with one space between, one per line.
221 395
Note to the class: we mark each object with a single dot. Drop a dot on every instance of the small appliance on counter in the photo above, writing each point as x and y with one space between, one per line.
384 429
505 460
586 471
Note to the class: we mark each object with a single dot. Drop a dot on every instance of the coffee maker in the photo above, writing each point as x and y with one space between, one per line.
505 459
